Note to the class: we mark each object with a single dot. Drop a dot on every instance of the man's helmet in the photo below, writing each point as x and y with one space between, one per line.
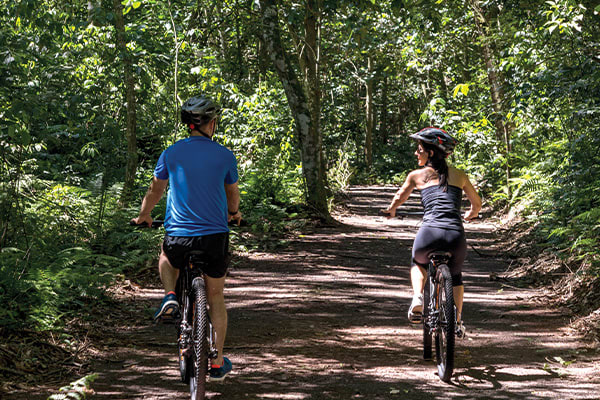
198 111
437 137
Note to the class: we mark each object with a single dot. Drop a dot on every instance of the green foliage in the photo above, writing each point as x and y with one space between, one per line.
77 390
64 236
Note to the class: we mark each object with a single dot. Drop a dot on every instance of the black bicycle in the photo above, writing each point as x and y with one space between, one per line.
439 314
196 343
439 311
196 336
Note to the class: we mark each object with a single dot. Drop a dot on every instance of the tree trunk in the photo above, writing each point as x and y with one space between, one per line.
124 54
503 129
176 47
370 115
304 102
383 127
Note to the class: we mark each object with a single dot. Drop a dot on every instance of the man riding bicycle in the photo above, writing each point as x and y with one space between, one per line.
203 197
441 189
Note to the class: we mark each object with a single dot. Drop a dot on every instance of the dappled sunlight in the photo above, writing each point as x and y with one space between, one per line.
360 332
283 396
325 317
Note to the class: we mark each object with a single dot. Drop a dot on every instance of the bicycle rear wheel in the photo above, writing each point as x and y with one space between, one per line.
444 334
426 322
199 334
185 361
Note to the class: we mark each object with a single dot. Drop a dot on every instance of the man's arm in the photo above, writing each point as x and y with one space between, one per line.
232 191
152 197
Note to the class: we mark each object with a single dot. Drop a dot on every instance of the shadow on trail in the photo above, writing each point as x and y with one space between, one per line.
325 318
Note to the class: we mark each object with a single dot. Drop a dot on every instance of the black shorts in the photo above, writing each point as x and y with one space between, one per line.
430 239
215 259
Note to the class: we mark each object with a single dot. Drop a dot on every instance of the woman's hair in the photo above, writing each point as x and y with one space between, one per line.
437 161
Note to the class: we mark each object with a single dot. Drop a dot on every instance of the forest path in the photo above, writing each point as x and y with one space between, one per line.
325 318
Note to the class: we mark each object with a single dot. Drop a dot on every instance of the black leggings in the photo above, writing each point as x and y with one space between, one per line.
430 239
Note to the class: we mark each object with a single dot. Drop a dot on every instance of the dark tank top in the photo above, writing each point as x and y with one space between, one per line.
442 209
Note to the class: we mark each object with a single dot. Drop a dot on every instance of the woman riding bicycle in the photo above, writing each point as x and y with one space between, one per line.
441 189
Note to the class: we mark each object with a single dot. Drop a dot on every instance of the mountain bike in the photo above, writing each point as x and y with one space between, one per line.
439 310
196 335
439 314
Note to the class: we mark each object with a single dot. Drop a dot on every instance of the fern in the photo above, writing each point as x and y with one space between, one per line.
77 390
528 185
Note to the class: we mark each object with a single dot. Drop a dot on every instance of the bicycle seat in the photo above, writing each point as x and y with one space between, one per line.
440 256
196 257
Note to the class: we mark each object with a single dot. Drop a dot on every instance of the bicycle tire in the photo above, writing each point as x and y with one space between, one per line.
444 334
199 332
427 354
185 361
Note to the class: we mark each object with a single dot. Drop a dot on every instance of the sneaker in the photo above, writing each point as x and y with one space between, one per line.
169 307
415 312
460 330
217 373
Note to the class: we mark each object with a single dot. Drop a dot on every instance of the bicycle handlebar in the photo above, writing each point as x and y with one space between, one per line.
403 214
157 223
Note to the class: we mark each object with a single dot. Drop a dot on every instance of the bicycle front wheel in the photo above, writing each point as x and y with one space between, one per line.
444 333
199 332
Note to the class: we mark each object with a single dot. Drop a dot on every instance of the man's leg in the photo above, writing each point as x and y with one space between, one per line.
218 312
168 274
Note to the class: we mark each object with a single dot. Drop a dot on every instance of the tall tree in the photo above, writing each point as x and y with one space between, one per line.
130 130
370 113
503 128
303 96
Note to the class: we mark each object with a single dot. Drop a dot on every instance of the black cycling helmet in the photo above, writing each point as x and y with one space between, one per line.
437 137
198 111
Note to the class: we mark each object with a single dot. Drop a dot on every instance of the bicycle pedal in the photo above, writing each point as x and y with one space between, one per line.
187 352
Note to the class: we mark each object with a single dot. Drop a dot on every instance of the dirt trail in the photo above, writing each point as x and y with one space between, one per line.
325 318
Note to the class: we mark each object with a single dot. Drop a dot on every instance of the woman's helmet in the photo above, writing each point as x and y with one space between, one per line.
437 137
198 111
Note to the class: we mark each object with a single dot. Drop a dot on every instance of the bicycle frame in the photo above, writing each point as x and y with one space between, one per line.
436 259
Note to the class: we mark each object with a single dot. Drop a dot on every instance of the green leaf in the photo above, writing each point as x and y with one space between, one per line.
136 4
25 138
462 87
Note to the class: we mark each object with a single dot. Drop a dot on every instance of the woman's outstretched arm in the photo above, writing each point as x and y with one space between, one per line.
402 194
473 197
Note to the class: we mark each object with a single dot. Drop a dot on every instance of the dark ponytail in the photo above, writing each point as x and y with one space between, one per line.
437 161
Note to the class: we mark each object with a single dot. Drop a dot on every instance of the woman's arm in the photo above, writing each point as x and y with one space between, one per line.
402 194
473 197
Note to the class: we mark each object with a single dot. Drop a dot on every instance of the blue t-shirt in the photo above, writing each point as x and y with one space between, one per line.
197 169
